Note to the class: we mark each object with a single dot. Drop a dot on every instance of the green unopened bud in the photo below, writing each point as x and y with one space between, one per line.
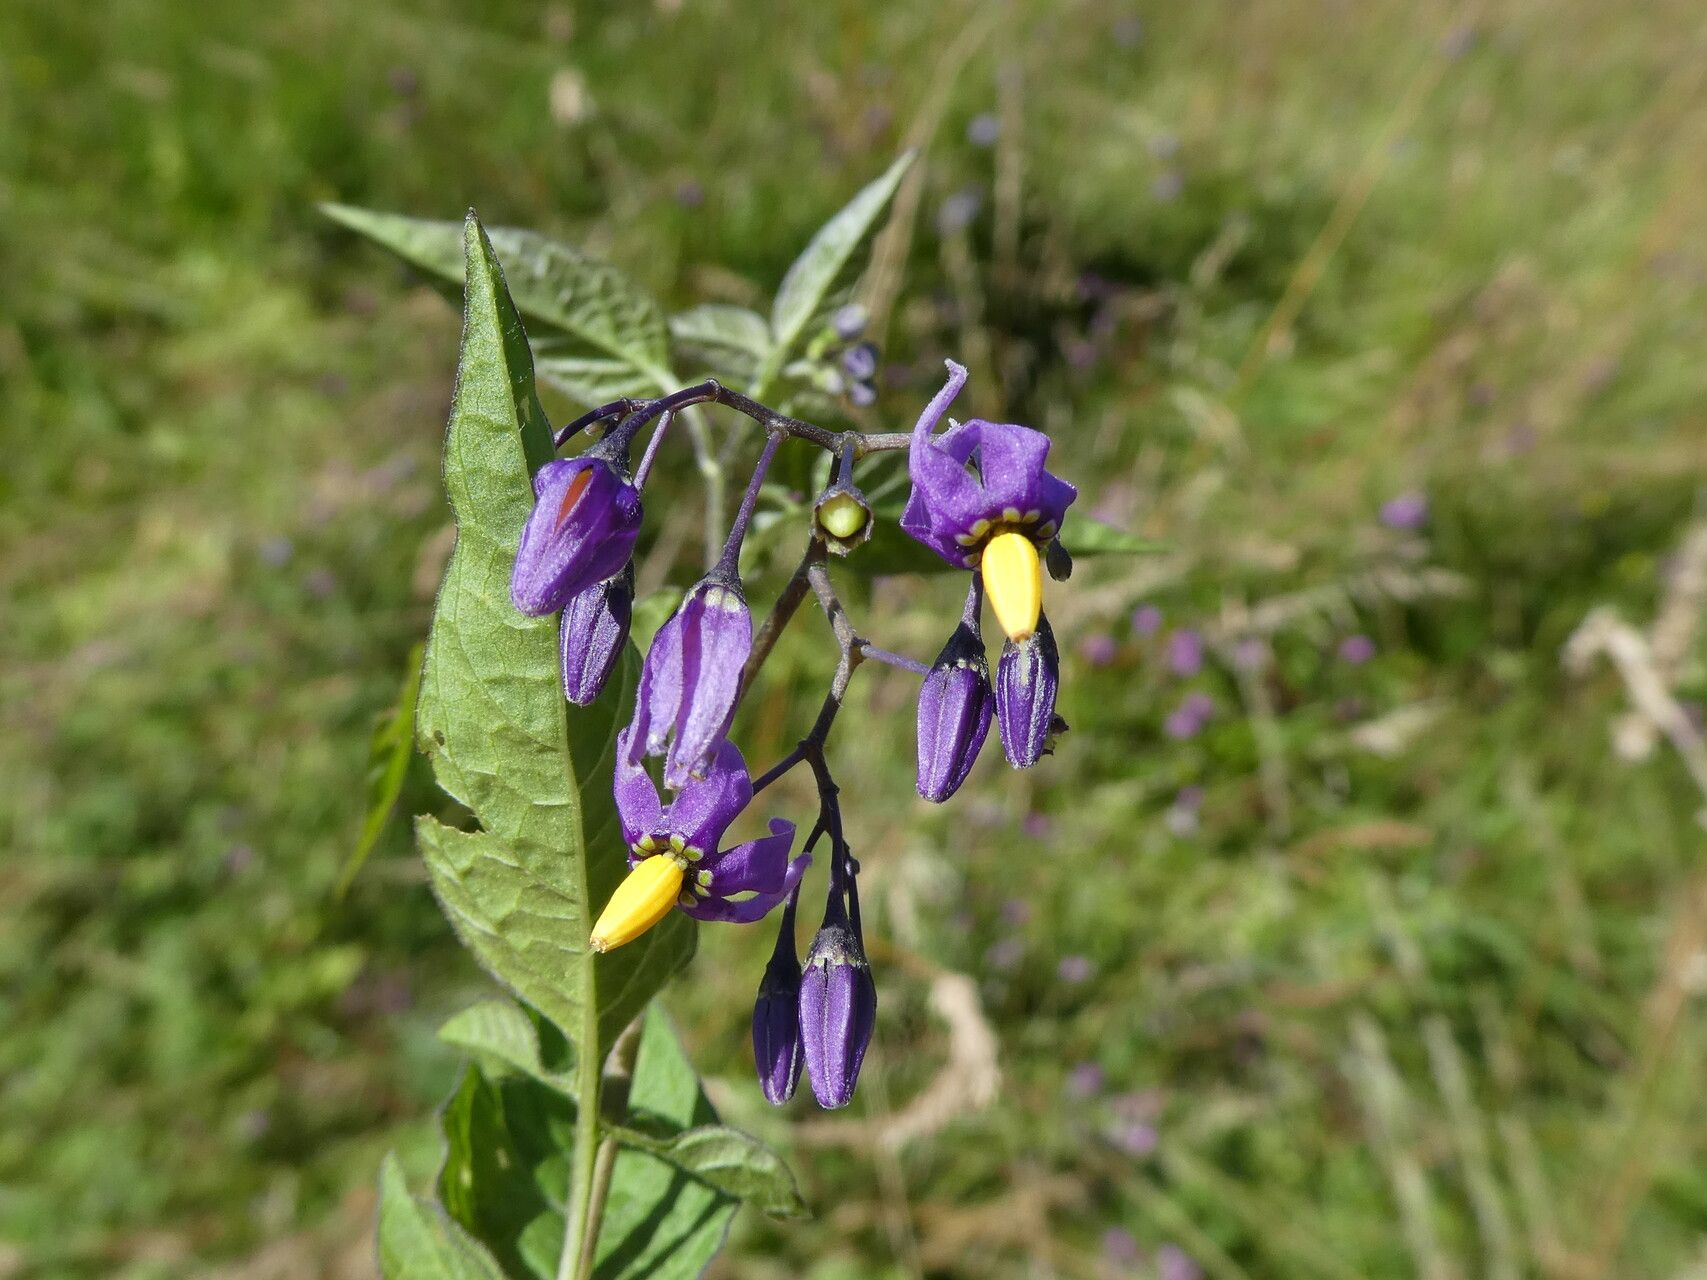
843 518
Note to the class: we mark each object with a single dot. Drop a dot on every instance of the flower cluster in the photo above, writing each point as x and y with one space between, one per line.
981 499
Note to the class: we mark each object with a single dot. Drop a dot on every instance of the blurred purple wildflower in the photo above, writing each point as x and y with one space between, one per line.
1407 511
1185 652
1174 1263
1099 649
1120 1247
1356 650
1146 620
1005 955
1084 1080
1195 710
1074 969
957 211
1166 187
1251 654
983 130
1135 1137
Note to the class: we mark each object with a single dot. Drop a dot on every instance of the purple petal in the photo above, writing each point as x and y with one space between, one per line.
758 866
1026 682
747 910
838 1009
776 1019
705 807
636 798
581 531
593 632
955 704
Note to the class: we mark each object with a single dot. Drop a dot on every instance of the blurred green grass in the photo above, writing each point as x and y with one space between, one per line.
1427 1010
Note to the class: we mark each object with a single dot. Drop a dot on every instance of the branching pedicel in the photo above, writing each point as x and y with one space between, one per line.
981 499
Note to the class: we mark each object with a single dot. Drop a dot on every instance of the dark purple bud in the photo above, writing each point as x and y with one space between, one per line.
1058 560
860 362
692 678
1026 680
838 1007
776 1017
849 321
955 703
582 528
594 630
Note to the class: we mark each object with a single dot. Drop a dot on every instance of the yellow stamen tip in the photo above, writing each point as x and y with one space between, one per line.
639 902
1013 579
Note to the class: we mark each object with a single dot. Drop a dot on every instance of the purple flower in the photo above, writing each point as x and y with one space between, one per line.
955 702
776 1017
1026 681
585 519
1084 1080
674 858
1135 1137
1187 719
957 211
1356 650
1099 650
1036 825
593 633
1146 620
1407 511
1120 1247
1074 969
838 1006
981 499
1005 954
1185 652
1174 1263
1251 654
983 130
692 679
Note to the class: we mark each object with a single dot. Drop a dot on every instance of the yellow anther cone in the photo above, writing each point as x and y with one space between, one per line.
1013 579
639 902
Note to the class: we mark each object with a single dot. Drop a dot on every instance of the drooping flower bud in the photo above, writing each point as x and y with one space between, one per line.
594 630
838 1007
776 1017
955 702
692 678
1026 681
585 519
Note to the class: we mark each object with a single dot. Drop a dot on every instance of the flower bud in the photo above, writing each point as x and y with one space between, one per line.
776 1018
849 321
692 678
585 519
842 517
838 1007
1058 560
954 714
1026 681
594 630
860 362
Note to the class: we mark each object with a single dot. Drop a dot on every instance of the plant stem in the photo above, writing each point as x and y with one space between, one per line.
580 1229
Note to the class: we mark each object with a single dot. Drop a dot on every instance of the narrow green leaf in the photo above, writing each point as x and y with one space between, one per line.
503 1032
521 892
731 342
827 259
735 1163
390 751
506 1172
417 1241
555 285
1083 537
595 380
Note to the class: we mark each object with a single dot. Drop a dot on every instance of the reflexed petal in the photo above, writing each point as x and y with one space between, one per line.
692 678
580 531
636 798
748 910
705 807
758 866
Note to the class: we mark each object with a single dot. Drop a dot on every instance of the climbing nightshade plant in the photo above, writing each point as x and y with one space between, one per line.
600 784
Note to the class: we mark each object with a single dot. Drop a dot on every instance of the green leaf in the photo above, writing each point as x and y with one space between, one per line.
521 891
554 284
390 751
501 1031
736 1163
506 1172
1084 537
417 1241
594 380
732 342
825 262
